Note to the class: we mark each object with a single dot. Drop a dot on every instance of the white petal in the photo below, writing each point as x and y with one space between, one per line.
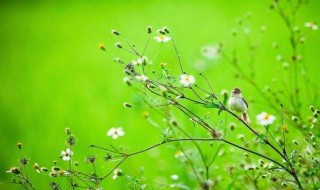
111 131
261 116
120 133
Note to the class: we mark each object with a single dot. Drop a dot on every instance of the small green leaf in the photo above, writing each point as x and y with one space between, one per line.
232 183
225 99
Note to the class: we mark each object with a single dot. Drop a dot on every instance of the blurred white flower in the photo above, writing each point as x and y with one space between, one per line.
133 62
142 60
249 167
279 57
187 80
240 136
142 78
116 173
311 25
126 79
210 51
174 177
265 118
246 30
268 165
263 28
162 38
179 154
139 61
115 132
66 155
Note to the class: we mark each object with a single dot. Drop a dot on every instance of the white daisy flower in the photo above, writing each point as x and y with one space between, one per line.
66 155
117 173
311 25
265 119
187 80
162 38
115 132
210 52
142 78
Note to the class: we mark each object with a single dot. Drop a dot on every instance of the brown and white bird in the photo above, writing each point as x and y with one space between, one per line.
238 104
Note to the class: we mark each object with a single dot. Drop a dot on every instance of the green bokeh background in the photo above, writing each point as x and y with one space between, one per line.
53 76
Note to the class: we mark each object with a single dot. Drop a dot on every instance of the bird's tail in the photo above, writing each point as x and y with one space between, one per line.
245 117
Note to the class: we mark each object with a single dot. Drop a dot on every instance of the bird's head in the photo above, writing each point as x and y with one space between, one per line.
236 92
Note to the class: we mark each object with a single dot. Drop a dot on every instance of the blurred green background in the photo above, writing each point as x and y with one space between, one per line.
53 76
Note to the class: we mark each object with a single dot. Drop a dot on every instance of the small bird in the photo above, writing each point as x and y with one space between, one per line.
238 104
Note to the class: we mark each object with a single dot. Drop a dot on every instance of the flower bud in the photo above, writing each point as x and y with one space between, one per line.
161 32
118 45
174 123
232 126
68 131
117 60
127 105
53 174
312 108
35 166
19 145
44 169
102 47
55 168
127 80
115 32
149 29
294 118
165 29
14 170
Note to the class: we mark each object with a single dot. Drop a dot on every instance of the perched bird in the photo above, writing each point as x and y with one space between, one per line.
238 104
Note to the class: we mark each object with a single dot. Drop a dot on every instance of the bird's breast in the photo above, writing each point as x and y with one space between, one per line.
237 104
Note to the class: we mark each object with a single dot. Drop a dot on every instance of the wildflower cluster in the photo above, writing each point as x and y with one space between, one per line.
262 151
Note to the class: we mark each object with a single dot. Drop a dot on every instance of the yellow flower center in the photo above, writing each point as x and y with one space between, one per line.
162 37
266 117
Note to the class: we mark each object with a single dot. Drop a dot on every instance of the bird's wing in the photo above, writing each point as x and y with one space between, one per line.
245 102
